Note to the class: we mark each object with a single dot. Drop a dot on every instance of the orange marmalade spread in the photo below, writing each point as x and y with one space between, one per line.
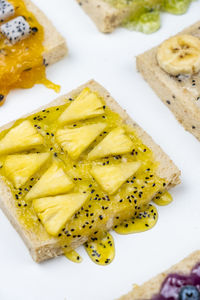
21 63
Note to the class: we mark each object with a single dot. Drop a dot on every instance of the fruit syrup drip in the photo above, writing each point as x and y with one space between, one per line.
101 250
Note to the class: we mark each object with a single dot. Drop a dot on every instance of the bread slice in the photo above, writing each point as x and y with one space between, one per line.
105 16
179 100
45 249
54 44
152 287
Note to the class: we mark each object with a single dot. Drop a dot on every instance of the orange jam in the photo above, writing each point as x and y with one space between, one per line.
22 64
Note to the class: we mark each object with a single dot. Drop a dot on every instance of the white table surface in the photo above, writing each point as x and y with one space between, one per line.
110 59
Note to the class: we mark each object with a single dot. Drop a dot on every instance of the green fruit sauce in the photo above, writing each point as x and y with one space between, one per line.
144 15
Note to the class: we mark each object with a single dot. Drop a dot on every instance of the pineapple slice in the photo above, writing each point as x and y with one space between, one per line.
115 143
112 177
54 212
75 141
87 105
53 182
20 167
20 138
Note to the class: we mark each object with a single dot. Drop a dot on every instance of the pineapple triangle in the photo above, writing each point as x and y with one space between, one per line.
75 141
55 212
53 182
115 143
112 177
20 138
20 167
87 105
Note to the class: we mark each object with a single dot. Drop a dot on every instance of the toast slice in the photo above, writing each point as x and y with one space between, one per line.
42 249
152 287
105 16
180 99
54 43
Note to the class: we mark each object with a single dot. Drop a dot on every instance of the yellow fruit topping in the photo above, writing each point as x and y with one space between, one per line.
102 250
112 177
74 256
21 64
144 221
163 198
54 212
87 105
20 167
99 174
22 137
75 141
115 143
53 182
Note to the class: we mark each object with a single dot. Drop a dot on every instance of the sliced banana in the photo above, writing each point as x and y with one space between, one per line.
180 55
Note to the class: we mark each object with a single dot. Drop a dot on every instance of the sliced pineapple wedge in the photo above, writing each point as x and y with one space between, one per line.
87 105
75 141
20 167
115 143
53 182
55 212
112 177
20 138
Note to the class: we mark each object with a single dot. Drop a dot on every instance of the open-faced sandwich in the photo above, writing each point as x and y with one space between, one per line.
28 43
173 71
77 168
180 282
141 15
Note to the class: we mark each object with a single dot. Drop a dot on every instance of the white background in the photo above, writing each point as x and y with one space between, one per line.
110 59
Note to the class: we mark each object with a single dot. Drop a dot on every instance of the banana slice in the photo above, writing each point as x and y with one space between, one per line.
180 55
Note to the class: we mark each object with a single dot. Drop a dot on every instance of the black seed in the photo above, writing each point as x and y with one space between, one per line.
34 29
1 97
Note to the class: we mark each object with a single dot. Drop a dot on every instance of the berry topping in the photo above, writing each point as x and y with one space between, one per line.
189 292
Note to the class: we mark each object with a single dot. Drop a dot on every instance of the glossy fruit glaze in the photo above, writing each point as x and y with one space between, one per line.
144 15
22 64
173 283
128 204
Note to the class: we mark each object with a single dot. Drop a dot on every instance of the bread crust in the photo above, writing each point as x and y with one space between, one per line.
42 250
152 287
54 44
179 100
105 16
